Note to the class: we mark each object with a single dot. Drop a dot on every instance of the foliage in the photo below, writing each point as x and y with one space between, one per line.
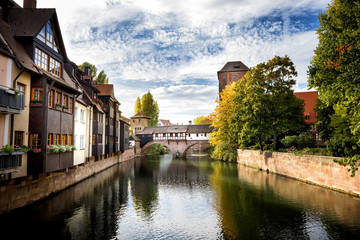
224 137
100 78
335 73
149 107
73 148
61 148
299 142
54 148
352 162
267 107
7 149
156 149
202 120
137 108
93 68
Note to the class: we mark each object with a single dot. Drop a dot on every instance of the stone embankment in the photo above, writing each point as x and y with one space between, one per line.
21 193
318 170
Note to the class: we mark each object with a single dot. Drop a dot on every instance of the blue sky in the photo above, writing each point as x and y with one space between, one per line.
175 48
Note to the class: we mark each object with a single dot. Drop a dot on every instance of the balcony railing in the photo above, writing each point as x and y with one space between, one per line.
10 160
11 101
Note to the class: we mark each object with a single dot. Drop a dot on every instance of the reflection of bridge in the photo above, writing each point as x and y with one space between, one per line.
178 139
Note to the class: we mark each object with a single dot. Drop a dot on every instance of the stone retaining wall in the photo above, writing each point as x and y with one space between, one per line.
317 170
21 193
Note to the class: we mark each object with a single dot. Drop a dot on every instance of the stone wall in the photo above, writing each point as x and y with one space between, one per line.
317 170
28 190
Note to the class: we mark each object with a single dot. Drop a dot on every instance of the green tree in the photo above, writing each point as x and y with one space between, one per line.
137 108
102 78
99 78
93 69
149 107
335 73
199 120
267 106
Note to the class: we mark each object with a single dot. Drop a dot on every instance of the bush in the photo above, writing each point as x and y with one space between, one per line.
299 142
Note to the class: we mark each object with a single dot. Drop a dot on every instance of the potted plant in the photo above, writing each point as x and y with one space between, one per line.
68 148
7 149
61 148
73 147
54 148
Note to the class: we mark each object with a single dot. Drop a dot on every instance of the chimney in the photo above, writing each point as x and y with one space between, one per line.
29 4
190 122
87 70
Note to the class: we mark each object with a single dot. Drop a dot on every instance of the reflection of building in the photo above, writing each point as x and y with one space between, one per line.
138 122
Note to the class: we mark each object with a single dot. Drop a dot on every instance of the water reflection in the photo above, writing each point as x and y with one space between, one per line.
161 198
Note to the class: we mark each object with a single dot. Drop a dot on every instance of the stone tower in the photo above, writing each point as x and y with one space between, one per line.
231 72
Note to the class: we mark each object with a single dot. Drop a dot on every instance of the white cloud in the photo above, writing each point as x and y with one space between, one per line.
164 46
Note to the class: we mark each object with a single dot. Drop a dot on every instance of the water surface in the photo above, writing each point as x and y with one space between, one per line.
161 198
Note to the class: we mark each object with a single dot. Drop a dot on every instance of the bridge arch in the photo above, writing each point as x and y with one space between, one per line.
152 143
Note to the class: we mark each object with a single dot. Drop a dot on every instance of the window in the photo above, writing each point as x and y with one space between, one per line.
55 67
307 117
19 138
41 59
82 115
50 139
171 134
69 139
58 98
82 142
71 105
63 139
99 138
164 134
156 134
76 114
57 139
20 87
65 101
94 139
197 134
35 140
36 94
176 134
47 63
234 76
51 98
47 35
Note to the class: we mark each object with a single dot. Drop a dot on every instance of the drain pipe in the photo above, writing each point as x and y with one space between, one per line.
12 115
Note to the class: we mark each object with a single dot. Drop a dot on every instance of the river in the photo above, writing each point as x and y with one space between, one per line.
159 197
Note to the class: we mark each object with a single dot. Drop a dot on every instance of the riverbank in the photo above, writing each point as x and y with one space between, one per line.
318 170
29 190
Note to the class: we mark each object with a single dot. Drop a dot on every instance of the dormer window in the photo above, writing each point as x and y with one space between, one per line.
47 63
47 35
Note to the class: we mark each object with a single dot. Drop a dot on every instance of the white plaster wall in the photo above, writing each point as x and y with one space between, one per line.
80 130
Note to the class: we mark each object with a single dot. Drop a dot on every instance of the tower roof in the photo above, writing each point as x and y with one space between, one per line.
234 67
140 115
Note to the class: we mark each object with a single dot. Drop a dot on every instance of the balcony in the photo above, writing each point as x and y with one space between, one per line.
11 101
10 161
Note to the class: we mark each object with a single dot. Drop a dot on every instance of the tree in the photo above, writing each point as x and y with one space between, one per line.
335 73
99 78
137 108
267 106
93 69
199 120
102 78
149 107
224 137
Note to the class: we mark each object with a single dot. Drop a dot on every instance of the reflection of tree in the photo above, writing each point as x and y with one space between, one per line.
249 213
144 187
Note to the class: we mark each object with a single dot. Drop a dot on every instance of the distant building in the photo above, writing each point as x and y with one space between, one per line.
231 72
310 104
138 122
163 122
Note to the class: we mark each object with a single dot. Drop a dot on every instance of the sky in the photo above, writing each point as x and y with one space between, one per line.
174 49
